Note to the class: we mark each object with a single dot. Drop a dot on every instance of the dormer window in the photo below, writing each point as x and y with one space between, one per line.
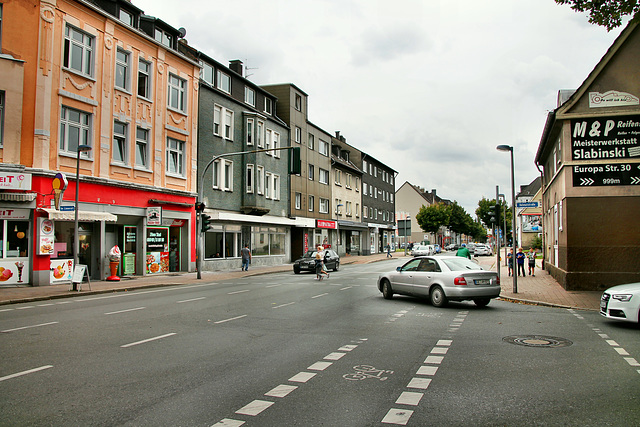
126 17
164 38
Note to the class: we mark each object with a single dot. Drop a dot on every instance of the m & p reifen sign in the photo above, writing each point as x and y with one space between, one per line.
606 138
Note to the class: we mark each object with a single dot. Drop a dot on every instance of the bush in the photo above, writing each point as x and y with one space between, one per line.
537 242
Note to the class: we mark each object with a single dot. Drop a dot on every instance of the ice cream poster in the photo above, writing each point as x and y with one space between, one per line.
61 270
59 184
45 236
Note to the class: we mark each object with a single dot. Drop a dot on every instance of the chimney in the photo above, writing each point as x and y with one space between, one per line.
433 191
236 66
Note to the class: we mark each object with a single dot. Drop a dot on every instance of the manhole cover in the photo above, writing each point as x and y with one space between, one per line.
537 341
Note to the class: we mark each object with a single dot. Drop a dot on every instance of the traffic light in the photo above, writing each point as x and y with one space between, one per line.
295 163
492 217
206 222
200 207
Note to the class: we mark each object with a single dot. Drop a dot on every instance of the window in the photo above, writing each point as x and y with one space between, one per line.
177 94
163 38
126 17
259 136
206 73
223 175
276 144
1 103
364 212
260 179
119 149
365 187
357 184
311 141
338 177
357 210
248 136
267 185
348 180
144 79
324 206
219 113
250 178
78 51
175 157
224 82
250 96
311 172
324 148
228 125
338 206
276 187
268 106
311 203
324 176
122 69
298 102
268 141
75 129
298 200
142 148
298 135
348 208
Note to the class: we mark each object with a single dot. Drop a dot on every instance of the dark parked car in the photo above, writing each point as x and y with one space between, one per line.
308 261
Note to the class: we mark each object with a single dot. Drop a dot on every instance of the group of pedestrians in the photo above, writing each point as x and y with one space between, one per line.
520 257
321 270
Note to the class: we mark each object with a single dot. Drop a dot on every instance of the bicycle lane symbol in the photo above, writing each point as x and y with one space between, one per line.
363 372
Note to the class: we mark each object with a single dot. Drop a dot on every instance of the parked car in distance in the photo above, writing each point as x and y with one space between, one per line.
419 250
308 261
472 248
621 302
441 279
482 249
451 247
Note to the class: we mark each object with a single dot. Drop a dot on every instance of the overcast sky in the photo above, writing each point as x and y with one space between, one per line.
429 87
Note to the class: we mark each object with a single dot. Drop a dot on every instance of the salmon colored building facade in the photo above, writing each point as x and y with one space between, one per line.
103 75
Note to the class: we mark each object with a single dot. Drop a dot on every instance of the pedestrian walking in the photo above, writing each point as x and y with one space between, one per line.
531 255
389 250
520 257
319 264
510 261
463 251
246 257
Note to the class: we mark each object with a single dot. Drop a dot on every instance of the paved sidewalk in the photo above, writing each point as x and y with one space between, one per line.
541 289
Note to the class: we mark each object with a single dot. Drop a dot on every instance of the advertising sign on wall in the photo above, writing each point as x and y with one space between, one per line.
605 138
45 236
15 181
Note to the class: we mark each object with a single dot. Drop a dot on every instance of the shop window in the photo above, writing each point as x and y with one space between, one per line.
223 242
15 241
267 241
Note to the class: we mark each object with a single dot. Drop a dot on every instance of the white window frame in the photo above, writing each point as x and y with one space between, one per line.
144 79
228 124
249 96
323 206
275 188
260 134
298 200
260 179
323 176
298 135
82 44
357 183
311 202
268 106
249 131
338 177
324 148
250 178
175 150
123 69
276 144
223 82
223 122
222 175
267 141
142 140
207 73
177 96
120 143
311 172
311 141
83 126
267 185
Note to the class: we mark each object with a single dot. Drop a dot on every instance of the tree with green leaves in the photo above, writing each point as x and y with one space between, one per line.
431 218
459 220
606 13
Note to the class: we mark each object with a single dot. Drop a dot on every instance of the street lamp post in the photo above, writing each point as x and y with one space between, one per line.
496 226
76 239
513 220
406 243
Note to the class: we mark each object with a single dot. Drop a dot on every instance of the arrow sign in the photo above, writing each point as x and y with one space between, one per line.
635 179
586 181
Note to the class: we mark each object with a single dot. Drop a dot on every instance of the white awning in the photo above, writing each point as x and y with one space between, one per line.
17 197
82 215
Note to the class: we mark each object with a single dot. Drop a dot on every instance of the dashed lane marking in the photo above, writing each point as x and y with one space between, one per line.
148 340
254 408
29 327
281 391
30 371
229 320
397 416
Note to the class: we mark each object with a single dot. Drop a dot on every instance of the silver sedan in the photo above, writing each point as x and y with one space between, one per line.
441 279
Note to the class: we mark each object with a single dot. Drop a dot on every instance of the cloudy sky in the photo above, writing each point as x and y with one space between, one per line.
430 87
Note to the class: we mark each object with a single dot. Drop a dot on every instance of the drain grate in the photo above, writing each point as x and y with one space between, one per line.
537 341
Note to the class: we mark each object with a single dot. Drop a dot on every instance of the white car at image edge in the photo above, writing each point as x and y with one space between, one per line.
621 302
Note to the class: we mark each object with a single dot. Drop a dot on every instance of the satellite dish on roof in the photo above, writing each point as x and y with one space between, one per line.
182 32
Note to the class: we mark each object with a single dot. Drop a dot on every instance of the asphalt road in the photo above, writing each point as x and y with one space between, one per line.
284 349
